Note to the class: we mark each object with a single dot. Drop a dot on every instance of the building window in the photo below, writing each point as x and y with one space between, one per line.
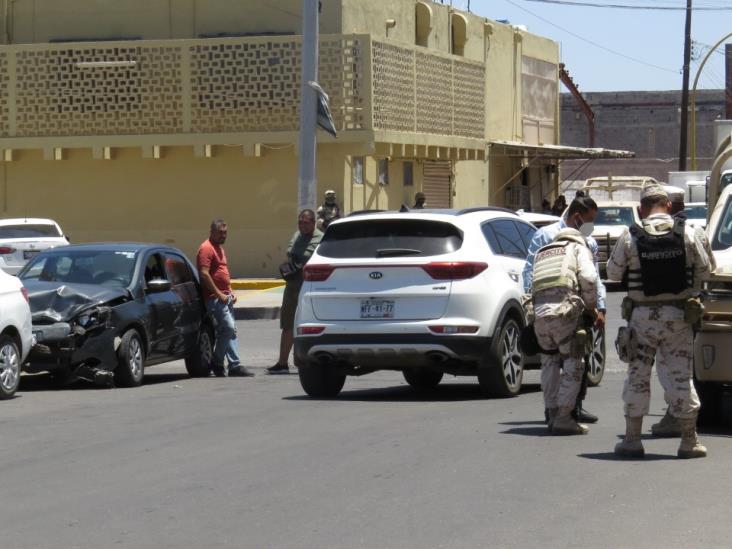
408 175
357 170
383 177
423 24
459 33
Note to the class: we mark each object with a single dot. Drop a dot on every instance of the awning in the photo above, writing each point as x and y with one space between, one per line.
556 152
531 154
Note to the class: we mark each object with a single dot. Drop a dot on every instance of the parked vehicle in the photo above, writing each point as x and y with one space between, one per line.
425 293
104 312
713 339
538 220
694 184
23 239
696 214
16 335
611 220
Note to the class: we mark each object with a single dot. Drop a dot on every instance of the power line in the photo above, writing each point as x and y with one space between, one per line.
626 6
629 58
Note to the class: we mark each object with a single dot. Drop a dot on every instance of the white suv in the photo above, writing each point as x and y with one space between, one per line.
426 293
22 239
16 334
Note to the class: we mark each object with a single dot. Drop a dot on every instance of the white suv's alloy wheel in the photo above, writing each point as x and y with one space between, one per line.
511 359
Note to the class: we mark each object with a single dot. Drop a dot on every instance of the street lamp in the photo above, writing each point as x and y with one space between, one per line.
693 99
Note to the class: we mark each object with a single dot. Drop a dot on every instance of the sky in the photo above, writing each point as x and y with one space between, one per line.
653 39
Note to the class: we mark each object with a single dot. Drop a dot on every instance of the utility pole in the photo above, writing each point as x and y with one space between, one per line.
685 90
307 181
728 80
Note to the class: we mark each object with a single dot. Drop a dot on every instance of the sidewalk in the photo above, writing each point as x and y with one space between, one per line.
257 298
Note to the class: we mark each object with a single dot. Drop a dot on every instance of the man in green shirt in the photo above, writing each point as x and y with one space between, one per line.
301 247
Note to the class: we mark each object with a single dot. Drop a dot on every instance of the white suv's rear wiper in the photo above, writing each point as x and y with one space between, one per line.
384 252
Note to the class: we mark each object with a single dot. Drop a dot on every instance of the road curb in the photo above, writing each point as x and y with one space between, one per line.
256 313
256 283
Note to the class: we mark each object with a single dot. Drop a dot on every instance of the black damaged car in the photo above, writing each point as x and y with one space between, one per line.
103 312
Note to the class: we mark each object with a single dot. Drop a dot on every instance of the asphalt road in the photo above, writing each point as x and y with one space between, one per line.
191 463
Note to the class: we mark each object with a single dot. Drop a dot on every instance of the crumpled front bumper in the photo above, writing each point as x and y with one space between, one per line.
63 345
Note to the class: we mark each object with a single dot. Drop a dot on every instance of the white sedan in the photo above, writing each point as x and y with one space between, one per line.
22 239
16 334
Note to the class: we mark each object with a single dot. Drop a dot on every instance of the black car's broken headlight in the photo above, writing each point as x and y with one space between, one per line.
93 318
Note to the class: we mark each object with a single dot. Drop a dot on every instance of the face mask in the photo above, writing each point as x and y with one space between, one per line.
587 228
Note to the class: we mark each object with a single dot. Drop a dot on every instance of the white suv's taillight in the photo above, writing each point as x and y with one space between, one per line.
317 273
454 270
24 291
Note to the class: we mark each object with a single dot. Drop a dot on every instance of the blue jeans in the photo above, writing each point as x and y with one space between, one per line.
226 343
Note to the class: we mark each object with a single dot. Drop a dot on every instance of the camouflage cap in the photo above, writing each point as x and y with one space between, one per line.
653 190
675 194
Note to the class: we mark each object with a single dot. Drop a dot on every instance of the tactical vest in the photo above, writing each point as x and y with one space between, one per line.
555 267
663 268
329 213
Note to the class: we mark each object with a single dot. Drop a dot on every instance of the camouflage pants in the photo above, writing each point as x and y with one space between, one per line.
664 336
561 374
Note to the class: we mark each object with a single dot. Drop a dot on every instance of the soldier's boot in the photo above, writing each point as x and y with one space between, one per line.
564 424
690 447
631 446
550 414
667 427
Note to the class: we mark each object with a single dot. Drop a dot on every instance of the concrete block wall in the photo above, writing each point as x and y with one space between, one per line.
645 122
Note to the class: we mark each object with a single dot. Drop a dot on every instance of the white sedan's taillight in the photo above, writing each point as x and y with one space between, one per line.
24 291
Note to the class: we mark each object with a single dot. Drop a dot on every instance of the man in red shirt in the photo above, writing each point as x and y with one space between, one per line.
213 271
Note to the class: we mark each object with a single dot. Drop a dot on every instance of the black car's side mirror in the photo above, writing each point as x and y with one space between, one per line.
158 285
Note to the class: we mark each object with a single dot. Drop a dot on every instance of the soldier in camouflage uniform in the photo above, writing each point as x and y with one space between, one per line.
664 261
328 212
669 425
564 285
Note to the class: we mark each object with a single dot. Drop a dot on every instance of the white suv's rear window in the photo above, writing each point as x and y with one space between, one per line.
390 238
28 231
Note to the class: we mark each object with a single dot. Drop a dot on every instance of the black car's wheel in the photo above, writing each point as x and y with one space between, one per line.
595 359
320 380
501 371
422 378
198 361
9 367
130 360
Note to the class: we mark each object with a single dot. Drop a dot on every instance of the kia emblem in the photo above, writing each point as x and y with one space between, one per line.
376 275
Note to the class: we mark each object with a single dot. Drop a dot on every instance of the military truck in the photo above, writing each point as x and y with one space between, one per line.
713 340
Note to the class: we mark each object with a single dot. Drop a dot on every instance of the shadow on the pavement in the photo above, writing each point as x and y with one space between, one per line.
537 431
610 456
449 392
530 422
45 382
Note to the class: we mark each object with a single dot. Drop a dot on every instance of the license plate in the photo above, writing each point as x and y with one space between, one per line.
27 254
377 308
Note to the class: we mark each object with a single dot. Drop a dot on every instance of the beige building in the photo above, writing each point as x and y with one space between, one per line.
144 119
